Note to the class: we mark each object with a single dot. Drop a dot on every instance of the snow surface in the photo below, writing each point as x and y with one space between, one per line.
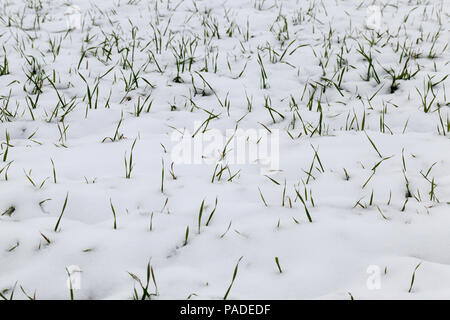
354 247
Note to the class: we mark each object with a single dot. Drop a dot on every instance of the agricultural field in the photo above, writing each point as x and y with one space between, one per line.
232 149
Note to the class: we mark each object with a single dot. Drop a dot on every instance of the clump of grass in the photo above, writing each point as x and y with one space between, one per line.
186 236
277 261
262 197
304 205
5 169
4 66
428 89
70 284
172 172
347 176
62 212
413 277
11 295
371 71
233 278
33 297
264 78
117 135
129 165
151 222
145 294
9 211
114 214
14 247
226 231
46 238
404 74
7 145
200 214
373 144
35 75
140 107
212 213
54 171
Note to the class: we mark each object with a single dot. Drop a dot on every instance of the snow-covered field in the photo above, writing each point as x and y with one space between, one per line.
346 103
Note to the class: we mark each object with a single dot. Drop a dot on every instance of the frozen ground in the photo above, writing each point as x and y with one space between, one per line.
357 105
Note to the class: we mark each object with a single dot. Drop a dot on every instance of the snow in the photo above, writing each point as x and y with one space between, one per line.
354 246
